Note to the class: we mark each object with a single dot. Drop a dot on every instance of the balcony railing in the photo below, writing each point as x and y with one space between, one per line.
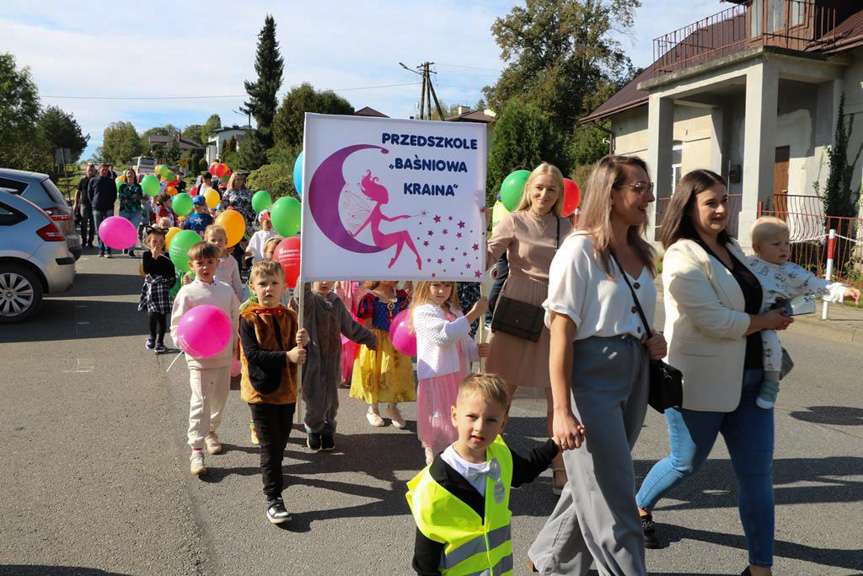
791 24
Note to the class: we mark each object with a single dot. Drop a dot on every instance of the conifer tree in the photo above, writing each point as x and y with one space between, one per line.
262 103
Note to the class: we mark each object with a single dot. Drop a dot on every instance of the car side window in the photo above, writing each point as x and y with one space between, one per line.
9 216
14 186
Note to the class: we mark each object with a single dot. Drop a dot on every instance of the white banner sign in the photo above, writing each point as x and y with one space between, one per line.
388 199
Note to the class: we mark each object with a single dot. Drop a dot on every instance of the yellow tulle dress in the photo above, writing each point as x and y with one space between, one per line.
384 374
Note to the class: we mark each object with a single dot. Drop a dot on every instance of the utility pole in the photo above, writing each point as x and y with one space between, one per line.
427 93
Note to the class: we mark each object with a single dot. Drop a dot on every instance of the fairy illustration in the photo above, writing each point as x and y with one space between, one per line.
357 209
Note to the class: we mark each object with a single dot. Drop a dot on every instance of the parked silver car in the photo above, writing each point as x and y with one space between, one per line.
38 189
34 258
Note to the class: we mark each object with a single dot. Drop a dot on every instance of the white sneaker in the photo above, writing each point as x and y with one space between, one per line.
396 416
374 419
196 463
213 444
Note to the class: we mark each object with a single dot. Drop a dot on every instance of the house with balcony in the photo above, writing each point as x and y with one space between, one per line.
752 93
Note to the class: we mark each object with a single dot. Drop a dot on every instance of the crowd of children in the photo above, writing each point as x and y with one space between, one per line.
345 337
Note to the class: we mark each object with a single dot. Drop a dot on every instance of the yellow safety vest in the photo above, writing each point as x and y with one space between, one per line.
472 548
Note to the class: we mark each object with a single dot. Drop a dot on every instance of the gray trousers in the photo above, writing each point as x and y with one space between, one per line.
596 517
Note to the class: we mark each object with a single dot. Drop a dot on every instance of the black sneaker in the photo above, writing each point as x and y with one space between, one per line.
161 349
328 442
276 512
649 529
150 343
313 441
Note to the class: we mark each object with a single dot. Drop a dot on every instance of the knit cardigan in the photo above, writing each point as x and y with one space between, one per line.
438 341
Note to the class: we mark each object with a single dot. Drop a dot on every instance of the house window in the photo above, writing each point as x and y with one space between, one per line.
676 162
775 15
797 10
755 13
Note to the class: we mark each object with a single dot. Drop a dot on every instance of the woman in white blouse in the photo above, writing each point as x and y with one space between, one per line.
599 374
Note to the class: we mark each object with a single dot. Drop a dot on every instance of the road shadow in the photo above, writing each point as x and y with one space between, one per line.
837 558
37 570
715 486
99 319
95 284
835 415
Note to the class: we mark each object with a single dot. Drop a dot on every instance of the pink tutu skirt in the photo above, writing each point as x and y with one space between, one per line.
435 399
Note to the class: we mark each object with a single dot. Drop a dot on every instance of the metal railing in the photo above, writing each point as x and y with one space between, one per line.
809 228
792 24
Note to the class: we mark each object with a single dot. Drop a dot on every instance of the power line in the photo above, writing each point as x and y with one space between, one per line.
211 97
495 70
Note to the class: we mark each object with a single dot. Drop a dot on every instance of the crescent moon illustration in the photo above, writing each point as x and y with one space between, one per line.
323 197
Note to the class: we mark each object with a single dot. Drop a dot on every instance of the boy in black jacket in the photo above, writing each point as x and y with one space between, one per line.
477 470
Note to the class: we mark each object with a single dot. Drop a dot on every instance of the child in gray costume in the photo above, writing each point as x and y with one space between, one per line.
326 319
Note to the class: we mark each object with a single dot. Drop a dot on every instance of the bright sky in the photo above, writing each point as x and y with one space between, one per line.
129 50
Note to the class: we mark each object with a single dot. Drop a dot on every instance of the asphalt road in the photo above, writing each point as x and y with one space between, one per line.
94 470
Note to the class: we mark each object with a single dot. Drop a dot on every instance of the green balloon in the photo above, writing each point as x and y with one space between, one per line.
164 171
512 189
169 177
261 201
179 251
150 185
182 204
285 215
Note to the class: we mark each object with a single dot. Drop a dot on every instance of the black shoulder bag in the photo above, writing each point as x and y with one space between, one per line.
666 381
519 318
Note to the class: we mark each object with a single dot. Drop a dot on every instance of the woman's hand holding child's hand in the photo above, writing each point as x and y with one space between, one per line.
777 319
483 350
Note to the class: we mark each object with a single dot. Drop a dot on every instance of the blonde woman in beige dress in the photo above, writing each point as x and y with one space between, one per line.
530 236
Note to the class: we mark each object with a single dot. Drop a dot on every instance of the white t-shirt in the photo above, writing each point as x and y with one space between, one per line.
256 243
600 306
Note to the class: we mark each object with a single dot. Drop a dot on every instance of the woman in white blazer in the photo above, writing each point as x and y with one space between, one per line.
712 324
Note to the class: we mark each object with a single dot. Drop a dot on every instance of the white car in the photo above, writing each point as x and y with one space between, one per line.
34 258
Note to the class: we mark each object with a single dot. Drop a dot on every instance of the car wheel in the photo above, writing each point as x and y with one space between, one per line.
20 293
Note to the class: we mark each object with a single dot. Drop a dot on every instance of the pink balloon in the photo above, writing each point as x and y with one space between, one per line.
403 338
118 233
203 331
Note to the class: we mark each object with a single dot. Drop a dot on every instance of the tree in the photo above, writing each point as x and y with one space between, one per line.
261 104
120 142
560 55
839 198
524 137
19 113
61 130
290 117
195 133
214 122
173 153
273 178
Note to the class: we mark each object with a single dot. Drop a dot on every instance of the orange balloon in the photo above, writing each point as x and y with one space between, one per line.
172 231
171 191
234 225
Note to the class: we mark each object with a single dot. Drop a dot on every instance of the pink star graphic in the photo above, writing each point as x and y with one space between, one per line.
478 274
450 218
458 235
476 247
434 275
452 259
442 248
461 223
437 219
431 233
428 260
464 253
426 243
468 266
445 231
440 260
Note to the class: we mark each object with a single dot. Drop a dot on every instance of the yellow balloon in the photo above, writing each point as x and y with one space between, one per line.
212 198
497 214
234 225
172 231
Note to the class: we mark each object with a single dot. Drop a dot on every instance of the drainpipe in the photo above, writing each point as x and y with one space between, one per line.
608 131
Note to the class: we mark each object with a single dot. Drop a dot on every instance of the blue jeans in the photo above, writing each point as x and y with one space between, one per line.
748 433
134 218
98 216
